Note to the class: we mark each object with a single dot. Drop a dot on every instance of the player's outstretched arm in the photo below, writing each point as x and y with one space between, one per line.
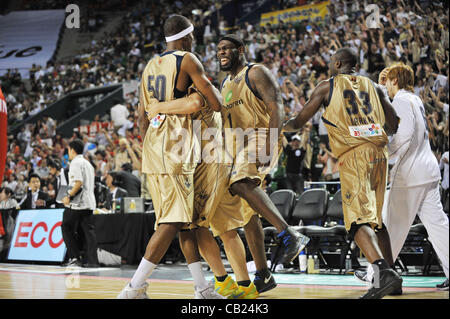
390 115
186 105
192 66
318 97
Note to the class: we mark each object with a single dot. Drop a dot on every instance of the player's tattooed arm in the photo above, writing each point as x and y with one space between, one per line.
318 97
392 120
262 80
192 66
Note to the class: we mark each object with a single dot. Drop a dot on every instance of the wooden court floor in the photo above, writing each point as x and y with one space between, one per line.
28 285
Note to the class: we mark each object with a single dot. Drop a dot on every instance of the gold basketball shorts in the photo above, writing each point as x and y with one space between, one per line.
173 197
363 175
214 206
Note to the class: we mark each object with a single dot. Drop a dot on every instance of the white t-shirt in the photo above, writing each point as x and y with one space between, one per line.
81 170
119 114
410 146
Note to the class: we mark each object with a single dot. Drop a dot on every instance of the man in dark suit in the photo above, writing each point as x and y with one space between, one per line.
128 181
115 192
36 199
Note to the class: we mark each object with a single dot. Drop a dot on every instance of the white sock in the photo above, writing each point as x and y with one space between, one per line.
144 271
197 274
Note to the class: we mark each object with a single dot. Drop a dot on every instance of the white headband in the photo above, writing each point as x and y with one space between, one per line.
181 34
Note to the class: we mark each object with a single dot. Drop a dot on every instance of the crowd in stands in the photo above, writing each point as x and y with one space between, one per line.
411 31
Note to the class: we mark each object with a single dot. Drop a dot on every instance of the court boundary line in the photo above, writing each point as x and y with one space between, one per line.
292 286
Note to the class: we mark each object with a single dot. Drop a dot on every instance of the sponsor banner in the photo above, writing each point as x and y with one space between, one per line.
27 38
128 87
312 12
38 236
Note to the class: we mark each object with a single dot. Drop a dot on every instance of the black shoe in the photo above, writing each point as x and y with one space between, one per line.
72 262
264 283
293 243
361 275
443 286
397 292
390 282
91 265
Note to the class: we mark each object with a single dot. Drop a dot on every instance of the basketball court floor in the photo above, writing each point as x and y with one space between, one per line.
173 281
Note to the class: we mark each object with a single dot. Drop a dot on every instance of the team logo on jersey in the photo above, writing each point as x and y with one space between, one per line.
238 79
228 96
157 120
348 195
187 183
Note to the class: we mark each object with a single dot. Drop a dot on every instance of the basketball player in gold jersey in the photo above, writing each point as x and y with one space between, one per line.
214 206
169 161
253 103
358 116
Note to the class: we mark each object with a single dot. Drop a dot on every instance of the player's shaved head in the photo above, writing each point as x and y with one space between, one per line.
346 56
343 61
175 24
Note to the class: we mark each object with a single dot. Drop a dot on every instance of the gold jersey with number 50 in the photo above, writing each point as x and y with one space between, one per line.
354 114
169 145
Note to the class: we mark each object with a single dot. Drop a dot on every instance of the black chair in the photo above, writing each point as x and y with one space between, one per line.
284 200
310 207
337 232
418 237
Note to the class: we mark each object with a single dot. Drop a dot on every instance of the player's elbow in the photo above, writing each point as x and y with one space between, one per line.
195 104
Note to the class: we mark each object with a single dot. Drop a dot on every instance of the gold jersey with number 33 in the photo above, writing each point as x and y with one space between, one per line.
354 114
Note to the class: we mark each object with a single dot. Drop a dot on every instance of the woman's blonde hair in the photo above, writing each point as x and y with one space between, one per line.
404 75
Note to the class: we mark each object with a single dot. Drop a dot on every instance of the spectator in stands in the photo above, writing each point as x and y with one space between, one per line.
35 199
8 212
119 113
21 187
330 171
121 157
58 177
295 153
113 182
7 200
100 163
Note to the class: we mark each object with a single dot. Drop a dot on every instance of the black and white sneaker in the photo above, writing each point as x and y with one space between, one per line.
443 286
363 277
293 243
389 283
264 283
72 262
366 277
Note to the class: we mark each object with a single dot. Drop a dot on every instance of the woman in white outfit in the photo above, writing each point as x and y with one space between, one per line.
415 175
